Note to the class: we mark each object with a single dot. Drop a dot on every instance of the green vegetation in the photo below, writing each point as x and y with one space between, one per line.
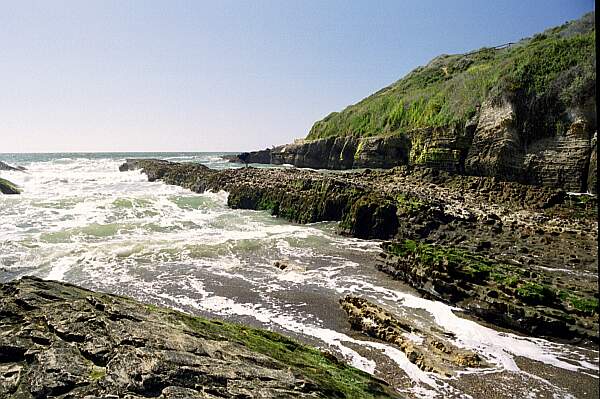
97 373
586 305
267 204
555 70
409 204
534 293
451 259
512 280
338 379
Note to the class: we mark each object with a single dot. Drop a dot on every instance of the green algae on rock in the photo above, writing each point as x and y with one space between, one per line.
516 297
7 187
60 340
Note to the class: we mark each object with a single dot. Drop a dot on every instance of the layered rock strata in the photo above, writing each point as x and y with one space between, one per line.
58 340
491 145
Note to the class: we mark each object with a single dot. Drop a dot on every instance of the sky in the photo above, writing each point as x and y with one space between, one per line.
223 75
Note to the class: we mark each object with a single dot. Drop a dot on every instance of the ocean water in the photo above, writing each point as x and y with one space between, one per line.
82 221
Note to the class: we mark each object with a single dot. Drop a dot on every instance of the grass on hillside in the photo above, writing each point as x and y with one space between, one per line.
558 64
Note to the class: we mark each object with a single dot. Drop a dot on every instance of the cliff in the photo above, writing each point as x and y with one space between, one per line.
58 340
523 112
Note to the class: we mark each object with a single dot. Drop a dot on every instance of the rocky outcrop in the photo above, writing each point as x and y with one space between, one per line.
521 112
7 187
517 296
261 156
7 167
58 340
495 150
555 159
345 153
491 144
431 350
522 230
297 195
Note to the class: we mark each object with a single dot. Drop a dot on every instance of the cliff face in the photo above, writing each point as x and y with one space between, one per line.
344 153
522 112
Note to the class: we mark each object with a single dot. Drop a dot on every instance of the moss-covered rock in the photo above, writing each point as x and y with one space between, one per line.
517 297
90 344
7 187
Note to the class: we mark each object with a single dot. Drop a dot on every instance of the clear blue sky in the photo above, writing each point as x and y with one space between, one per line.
223 75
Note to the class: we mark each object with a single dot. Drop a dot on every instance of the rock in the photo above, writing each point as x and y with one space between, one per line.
344 153
495 150
430 350
262 156
495 146
592 175
7 187
280 265
104 346
7 167
506 294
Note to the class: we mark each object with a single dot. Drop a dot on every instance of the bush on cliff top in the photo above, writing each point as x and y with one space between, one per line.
448 91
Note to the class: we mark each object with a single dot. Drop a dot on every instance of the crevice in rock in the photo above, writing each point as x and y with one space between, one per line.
66 336
12 354
98 359
24 305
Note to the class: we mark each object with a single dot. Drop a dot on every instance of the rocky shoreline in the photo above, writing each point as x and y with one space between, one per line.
59 340
518 256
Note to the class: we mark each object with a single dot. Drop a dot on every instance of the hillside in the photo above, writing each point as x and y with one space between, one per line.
522 112
553 70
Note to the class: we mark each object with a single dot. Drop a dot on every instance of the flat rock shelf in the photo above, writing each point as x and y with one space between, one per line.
58 340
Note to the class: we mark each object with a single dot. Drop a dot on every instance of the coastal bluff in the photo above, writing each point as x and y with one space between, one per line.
514 255
523 112
59 340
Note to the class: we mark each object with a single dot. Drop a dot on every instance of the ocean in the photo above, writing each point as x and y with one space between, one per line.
82 221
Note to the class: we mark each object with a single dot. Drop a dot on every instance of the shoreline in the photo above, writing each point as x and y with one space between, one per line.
421 206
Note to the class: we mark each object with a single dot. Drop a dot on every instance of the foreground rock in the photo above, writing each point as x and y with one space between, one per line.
433 351
7 187
58 340
519 256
